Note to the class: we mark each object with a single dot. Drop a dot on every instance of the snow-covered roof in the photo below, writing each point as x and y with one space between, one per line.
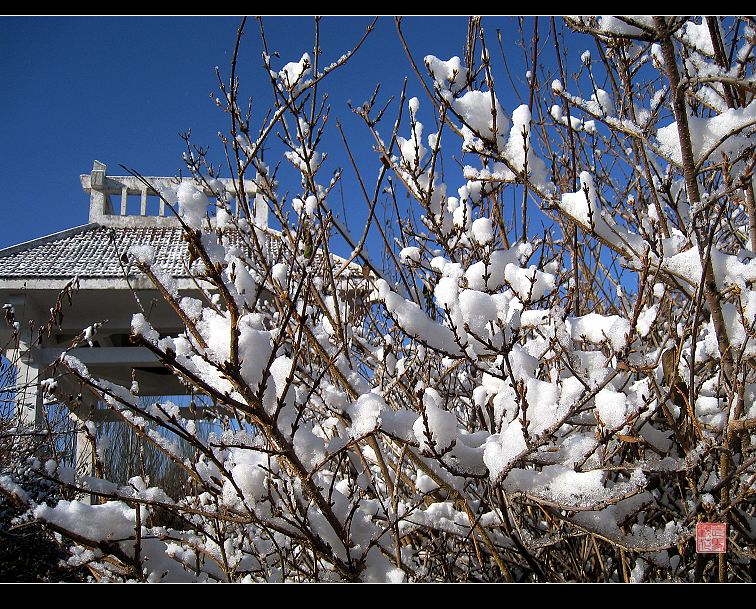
93 251
97 253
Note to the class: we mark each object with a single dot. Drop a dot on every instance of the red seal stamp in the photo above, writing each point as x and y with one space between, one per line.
711 537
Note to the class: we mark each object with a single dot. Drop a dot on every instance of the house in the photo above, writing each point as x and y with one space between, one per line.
76 291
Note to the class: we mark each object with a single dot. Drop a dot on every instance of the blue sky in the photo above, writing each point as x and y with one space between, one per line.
121 90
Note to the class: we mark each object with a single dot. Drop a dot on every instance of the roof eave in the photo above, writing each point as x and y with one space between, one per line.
13 284
26 245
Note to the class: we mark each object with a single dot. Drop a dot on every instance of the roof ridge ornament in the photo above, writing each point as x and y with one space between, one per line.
99 201
98 175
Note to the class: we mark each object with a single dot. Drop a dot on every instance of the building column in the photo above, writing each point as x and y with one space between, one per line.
80 405
85 456
28 390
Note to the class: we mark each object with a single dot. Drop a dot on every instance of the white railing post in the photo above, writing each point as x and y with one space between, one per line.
101 187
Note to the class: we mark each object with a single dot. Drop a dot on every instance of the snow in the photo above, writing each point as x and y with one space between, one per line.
441 516
378 569
597 329
502 449
474 107
646 320
166 280
523 364
365 414
223 219
280 273
144 254
573 489
410 255
576 447
310 205
89 333
141 327
216 330
576 123
294 72
470 192
193 204
606 522
601 103
544 407
582 205
245 283
519 140
280 370
615 25
557 482
698 36
413 320
482 231
611 407
309 448
412 150
399 423
255 348
304 159
114 522
728 269
727 133
685 264
10 487
436 429
491 276
528 284
740 337
478 310
111 521
423 483
533 318
448 75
